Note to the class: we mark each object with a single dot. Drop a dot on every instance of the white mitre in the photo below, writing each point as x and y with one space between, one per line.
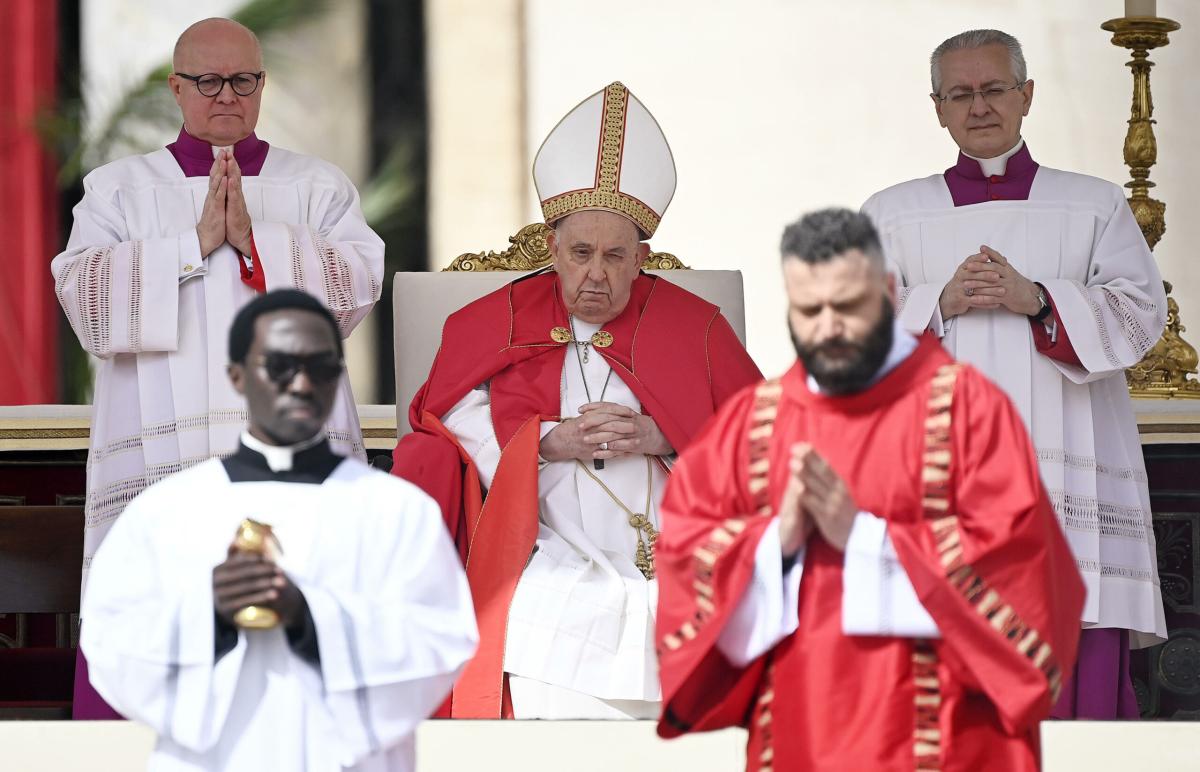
607 154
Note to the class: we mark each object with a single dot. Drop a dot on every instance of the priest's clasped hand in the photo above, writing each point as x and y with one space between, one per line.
250 579
815 497
604 430
224 217
987 280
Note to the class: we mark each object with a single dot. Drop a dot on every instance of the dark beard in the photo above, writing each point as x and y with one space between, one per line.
855 373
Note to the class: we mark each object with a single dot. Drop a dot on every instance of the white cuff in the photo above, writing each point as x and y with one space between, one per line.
191 262
938 326
877 596
769 610
471 422
546 428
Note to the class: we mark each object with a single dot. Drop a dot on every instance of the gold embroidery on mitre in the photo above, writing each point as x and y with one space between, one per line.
602 339
606 194
612 135
554 209
560 335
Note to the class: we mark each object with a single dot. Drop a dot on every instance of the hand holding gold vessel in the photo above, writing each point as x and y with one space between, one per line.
249 589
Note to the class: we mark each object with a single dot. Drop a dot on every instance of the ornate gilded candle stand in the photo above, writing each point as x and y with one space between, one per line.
1163 373
1166 677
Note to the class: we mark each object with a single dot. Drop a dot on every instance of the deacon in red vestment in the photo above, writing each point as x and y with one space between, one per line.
565 396
859 562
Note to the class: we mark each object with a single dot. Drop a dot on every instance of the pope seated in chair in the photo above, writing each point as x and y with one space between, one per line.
549 422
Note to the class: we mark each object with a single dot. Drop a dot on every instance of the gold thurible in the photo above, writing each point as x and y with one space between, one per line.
253 536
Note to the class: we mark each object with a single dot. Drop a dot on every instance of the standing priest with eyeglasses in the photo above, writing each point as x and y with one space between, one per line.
284 608
167 246
1042 279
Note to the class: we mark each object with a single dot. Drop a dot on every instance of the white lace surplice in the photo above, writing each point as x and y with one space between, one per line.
1076 235
138 295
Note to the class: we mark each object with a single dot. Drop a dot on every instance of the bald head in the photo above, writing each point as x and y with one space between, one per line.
225 49
214 37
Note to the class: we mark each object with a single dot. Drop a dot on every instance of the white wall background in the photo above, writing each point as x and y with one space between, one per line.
772 108
776 107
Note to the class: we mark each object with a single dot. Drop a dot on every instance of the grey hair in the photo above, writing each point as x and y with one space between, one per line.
820 236
977 38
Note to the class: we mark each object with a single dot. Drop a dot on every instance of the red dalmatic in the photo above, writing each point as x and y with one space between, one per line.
675 352
941 454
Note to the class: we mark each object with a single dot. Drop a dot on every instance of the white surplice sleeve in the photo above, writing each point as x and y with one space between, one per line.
1119 313
877 596
769 610
471 422
149 639
334 256
121 295
391 649
918 306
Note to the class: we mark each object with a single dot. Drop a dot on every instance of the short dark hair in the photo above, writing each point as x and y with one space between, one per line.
241 332
820 236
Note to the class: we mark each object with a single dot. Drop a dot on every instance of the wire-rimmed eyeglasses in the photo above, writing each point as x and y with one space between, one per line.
210 84
991 95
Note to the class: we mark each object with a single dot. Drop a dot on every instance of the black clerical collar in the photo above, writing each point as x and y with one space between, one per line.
311 463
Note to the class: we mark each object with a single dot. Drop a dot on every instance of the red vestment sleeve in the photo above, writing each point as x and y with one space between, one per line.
253 276
433 460
1061 348
705 559
989 560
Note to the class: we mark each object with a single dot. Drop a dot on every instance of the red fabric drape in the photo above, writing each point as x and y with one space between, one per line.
28 207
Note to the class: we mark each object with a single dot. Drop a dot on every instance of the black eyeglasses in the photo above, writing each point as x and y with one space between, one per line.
283 368
210 84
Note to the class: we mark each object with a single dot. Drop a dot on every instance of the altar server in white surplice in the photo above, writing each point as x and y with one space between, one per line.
374 618
167 246
1042 279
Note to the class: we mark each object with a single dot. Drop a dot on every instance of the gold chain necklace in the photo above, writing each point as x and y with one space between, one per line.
647 534
581 360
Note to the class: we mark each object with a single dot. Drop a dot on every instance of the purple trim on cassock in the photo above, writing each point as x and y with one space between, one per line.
86 704
1101 686
195 156
969 185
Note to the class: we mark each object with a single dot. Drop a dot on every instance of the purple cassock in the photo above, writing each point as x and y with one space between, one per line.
1101 686
195 158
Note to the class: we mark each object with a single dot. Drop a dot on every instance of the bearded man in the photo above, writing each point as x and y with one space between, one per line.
859 562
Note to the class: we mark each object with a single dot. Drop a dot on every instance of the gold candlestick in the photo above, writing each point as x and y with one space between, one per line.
1164 371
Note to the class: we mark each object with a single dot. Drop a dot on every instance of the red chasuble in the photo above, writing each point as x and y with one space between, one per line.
675 352
941 454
